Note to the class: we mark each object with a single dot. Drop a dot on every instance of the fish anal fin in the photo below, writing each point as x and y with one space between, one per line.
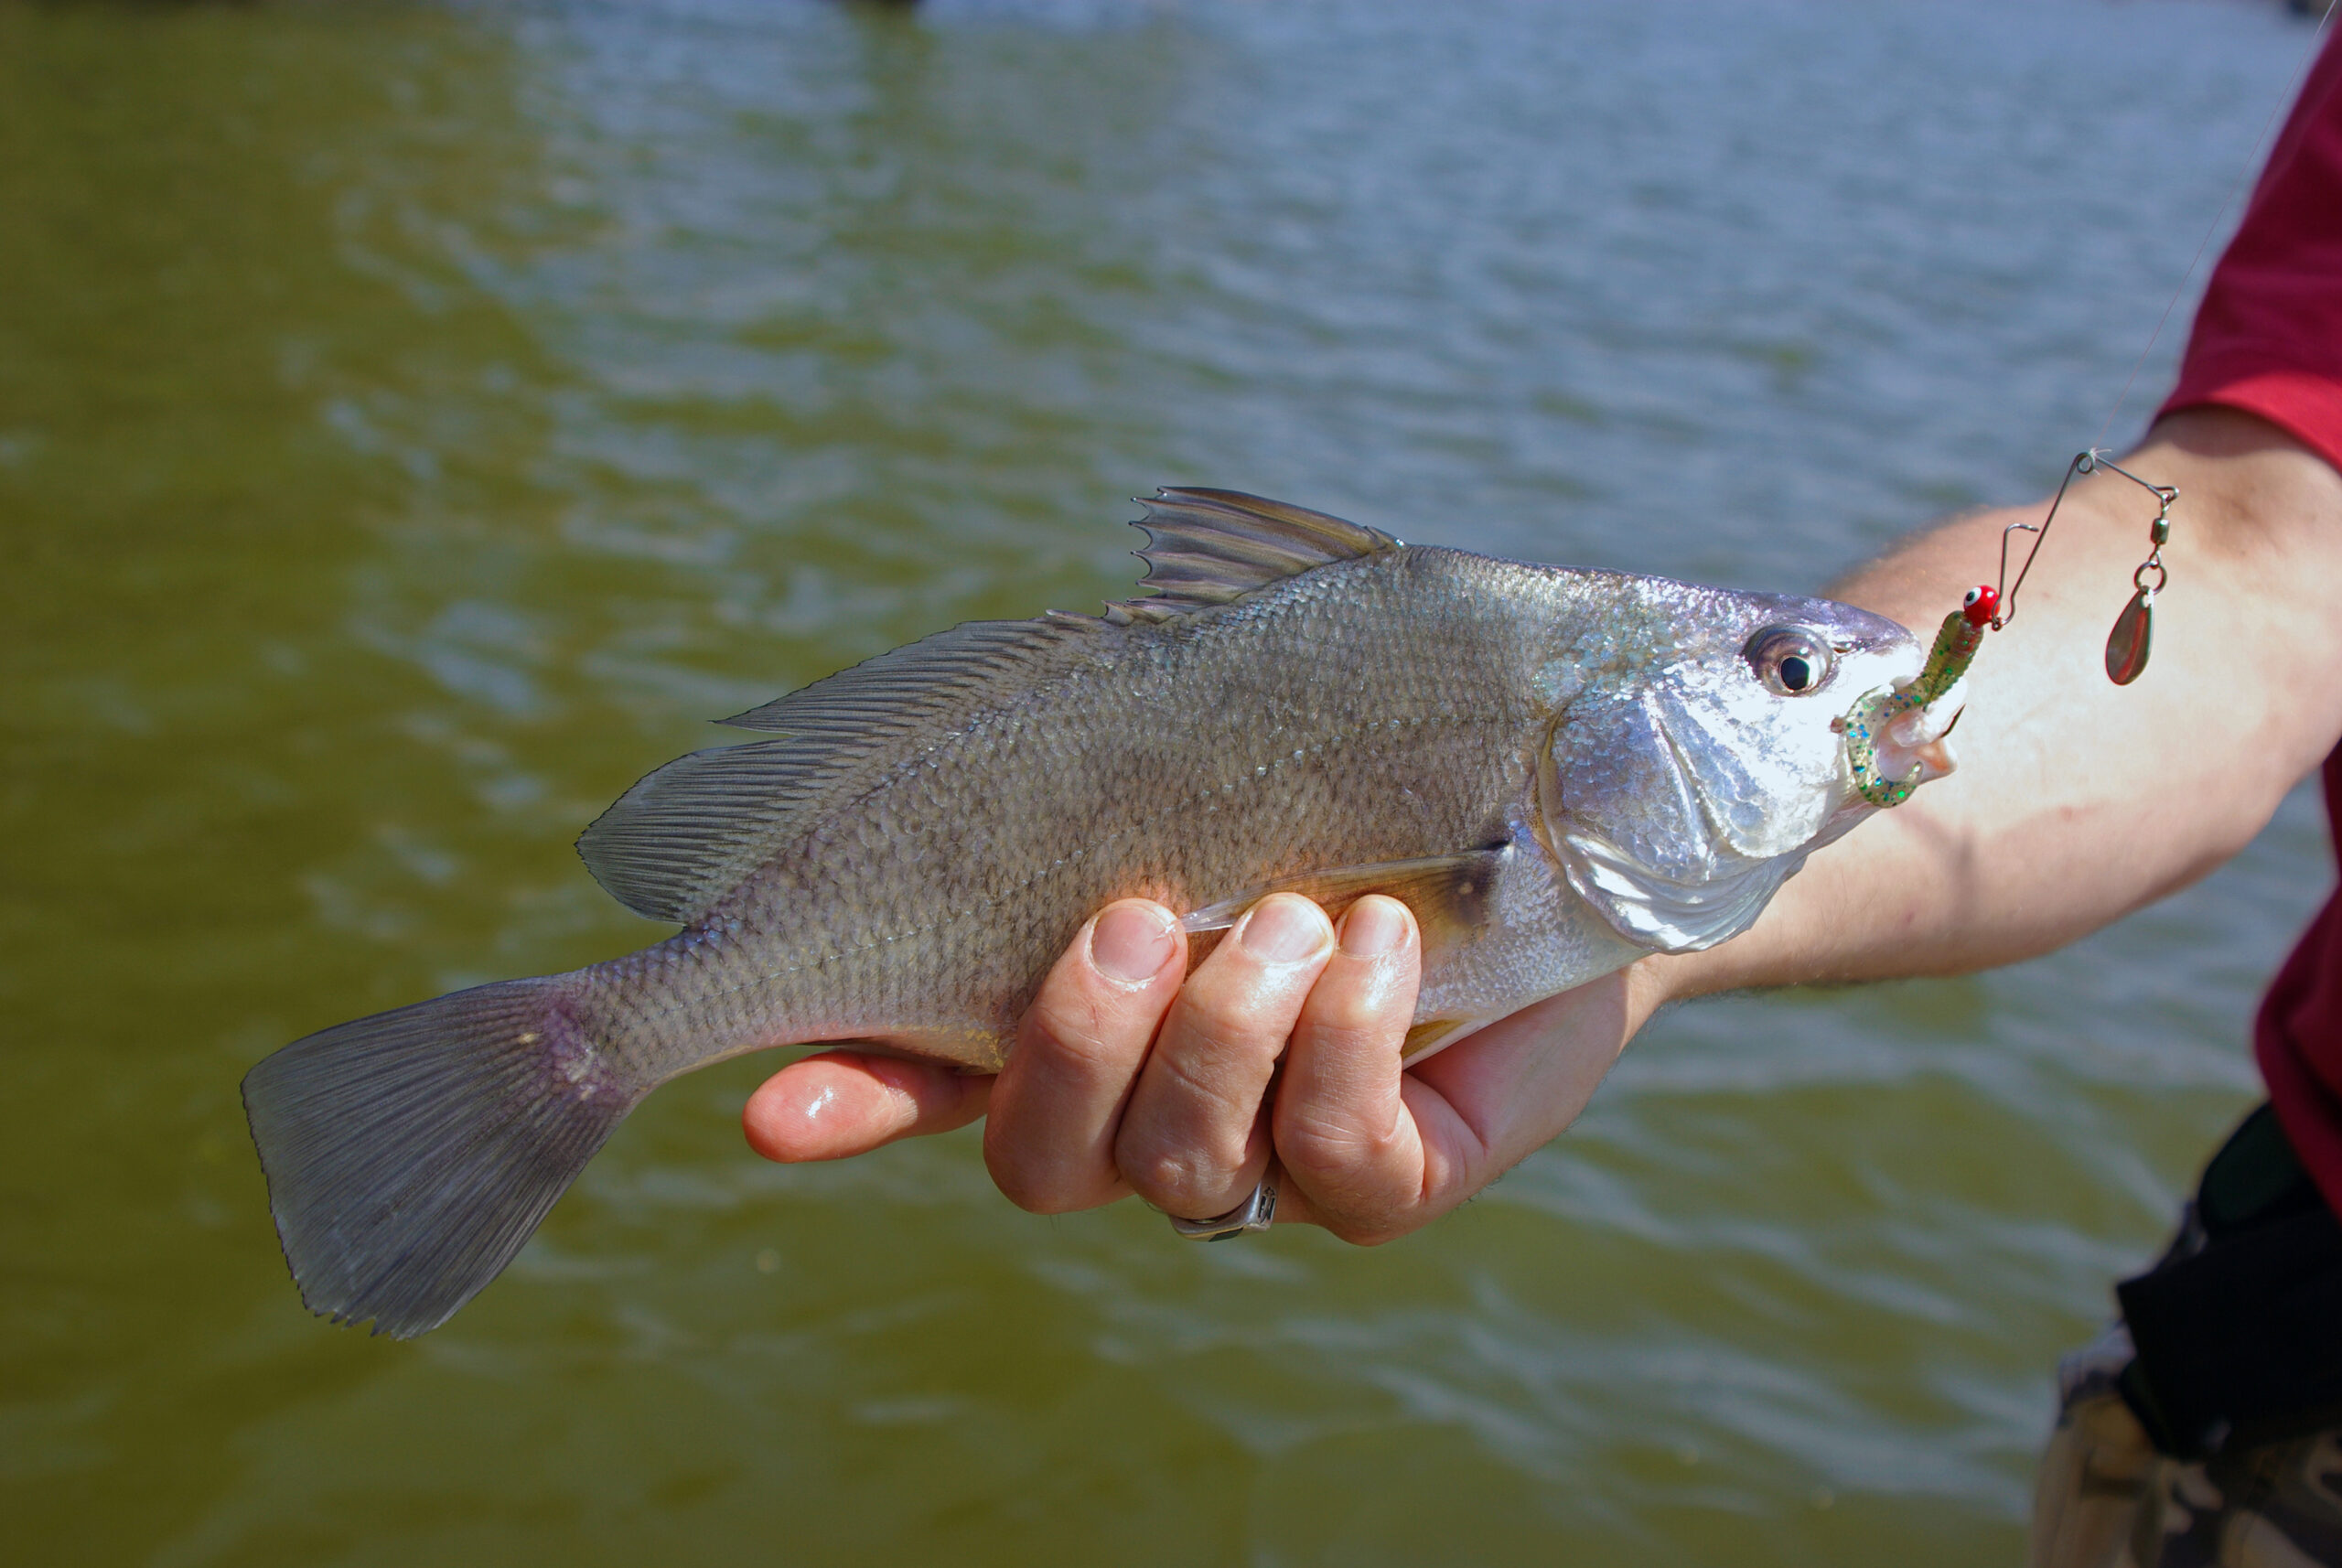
968 1049
1450 894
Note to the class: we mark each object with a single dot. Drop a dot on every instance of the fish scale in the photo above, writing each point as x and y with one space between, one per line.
1037 821
1559 770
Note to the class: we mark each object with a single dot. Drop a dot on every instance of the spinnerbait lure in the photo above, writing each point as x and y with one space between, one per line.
2132 638
1989 608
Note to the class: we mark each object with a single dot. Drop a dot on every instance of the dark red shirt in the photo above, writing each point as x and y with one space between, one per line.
2268 340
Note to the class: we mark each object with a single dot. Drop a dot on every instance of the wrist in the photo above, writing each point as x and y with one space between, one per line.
1653 982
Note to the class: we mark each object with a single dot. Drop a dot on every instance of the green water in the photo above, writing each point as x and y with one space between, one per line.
414 421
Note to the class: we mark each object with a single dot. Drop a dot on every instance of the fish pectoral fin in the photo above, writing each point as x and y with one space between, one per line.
1430 1036
1450 893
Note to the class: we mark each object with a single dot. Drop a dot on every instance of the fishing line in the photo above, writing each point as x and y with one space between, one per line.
1994 606
2243 177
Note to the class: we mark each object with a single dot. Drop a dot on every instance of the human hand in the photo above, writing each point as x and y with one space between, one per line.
1131 1075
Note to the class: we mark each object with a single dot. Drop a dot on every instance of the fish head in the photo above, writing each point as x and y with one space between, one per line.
1697 758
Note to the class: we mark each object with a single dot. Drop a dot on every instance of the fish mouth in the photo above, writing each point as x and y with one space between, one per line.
1922 738
1907 750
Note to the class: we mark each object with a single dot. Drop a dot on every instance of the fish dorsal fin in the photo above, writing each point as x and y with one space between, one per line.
1205 548
907 683
693 831
1208 547
690 832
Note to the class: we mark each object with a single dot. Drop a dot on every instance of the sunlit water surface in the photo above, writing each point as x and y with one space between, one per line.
415 420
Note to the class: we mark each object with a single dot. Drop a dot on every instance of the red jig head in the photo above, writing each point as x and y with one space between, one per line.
1981 606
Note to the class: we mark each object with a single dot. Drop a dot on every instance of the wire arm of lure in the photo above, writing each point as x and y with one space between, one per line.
2084 463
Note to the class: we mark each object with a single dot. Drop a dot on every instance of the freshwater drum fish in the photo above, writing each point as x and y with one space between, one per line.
1559 770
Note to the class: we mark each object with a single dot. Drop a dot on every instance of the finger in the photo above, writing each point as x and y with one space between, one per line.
1485 1104
1344 1133
1050 1143
840 1103
1192 1141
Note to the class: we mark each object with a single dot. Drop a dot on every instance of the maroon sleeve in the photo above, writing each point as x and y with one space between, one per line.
2268 337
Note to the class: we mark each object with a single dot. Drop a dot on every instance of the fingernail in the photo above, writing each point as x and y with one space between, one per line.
1129 944
1372 928
1284 931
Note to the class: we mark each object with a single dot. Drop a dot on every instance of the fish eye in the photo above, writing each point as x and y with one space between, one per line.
1791 660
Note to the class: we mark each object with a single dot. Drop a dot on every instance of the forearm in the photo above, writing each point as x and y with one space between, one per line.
2077 801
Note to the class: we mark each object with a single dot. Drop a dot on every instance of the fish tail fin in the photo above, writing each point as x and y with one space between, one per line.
410 1154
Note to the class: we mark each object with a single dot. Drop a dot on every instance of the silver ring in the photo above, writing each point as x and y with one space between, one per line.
1257 1213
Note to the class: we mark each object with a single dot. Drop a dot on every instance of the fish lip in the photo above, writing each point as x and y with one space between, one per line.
1916 736
1912 748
